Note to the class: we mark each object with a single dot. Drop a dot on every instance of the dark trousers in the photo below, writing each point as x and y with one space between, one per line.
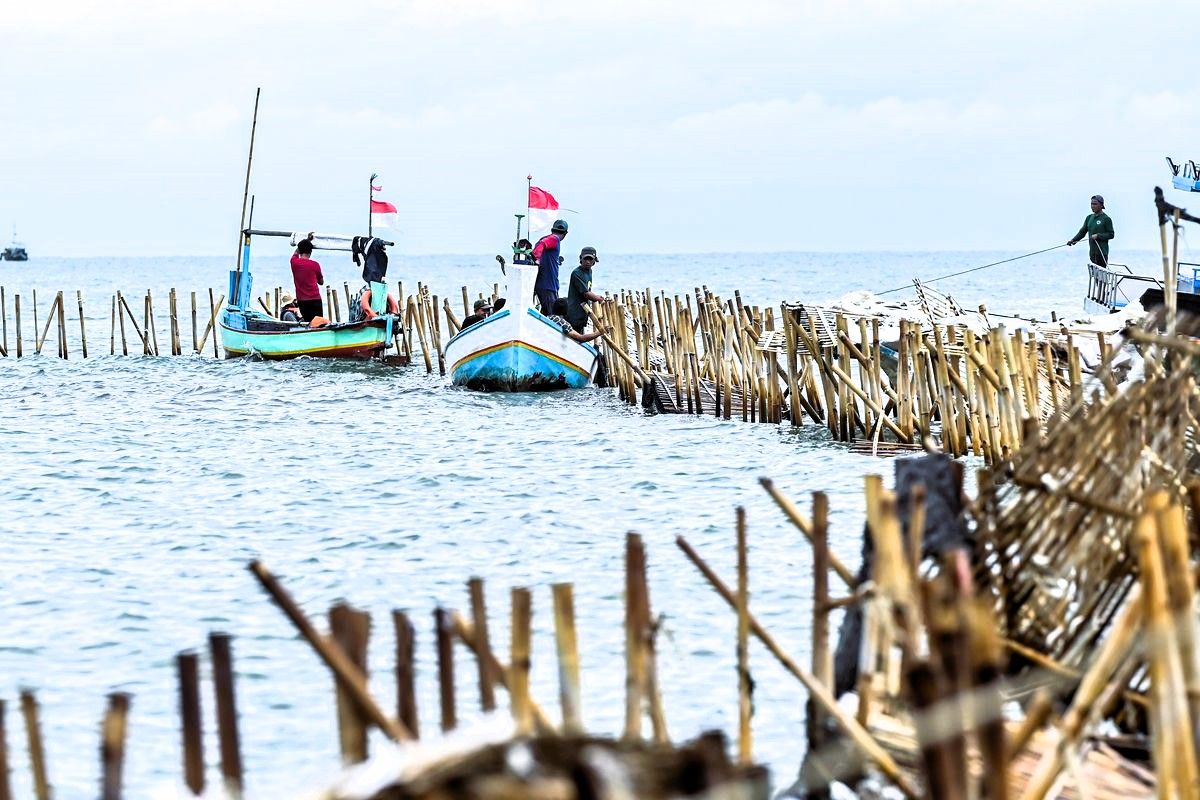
546 299
311 309
1098 257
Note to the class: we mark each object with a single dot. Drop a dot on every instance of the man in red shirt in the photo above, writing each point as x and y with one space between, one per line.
308 277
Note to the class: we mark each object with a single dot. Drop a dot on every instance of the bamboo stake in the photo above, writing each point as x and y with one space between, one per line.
41 340
35 321
82 332
349 675
351 630
211 326
487 692
151 327
212 320
462 629
221 654
745 708
406 696
569 692
445 666
62 329
188 668
121 318
17 314
822 660
5 785
112 745
173 311
4 334
522 708
635 653
195 338
857 733
37 753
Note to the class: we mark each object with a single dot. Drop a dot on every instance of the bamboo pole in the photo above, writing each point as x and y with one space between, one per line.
120 301
112 745
41 339
479 623
221 653
37 753
635 652
112 328
745 707
445 667
349 675
82 331
5 784
188 668
212 320
35 321
195 337
17 314
151 326
569 692
173 314
465 634
351 630
62 329
522 708
822 660
211 326
4 331
406 696
859 735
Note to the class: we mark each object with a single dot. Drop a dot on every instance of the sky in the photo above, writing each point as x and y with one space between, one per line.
672 126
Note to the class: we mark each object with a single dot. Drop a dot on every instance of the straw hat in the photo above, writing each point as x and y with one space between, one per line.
286 300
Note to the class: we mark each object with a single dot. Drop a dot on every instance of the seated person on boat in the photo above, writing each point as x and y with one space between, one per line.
483 310
360 308
289 311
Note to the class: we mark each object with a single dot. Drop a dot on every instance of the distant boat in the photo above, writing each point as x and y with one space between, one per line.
1186 176
247 331
519 349
15 251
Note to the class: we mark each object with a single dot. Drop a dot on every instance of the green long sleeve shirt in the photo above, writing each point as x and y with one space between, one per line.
1101 225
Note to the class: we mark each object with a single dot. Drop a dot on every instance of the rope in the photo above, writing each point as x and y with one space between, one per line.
976 269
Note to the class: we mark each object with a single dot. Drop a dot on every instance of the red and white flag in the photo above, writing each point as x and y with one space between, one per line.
543 210
383 214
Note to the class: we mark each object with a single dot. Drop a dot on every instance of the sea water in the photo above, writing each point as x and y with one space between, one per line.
134 491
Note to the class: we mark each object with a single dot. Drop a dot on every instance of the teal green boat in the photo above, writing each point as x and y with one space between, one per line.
249 332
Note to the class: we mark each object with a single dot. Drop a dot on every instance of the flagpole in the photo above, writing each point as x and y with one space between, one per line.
528 190
371 201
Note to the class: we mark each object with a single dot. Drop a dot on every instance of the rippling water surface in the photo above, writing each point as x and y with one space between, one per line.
135 490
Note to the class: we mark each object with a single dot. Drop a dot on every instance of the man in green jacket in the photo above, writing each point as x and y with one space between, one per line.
1098 228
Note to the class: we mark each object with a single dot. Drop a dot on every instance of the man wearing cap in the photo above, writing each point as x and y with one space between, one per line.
1098 228
483 309
580 290
546 254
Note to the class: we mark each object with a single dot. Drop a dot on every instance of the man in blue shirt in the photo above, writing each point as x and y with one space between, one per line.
546 254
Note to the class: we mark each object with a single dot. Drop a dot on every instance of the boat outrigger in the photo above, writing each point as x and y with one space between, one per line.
248 331
1186 176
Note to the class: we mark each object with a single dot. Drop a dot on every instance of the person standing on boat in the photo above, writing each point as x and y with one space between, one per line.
307 275
546 254
580 291
1098 228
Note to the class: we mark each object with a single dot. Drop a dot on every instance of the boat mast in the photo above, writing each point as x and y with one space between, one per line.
371 201
246 189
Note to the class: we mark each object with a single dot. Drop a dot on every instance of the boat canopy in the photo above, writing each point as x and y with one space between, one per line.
1185 176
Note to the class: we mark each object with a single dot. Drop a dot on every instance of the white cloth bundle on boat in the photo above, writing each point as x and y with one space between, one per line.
324 241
